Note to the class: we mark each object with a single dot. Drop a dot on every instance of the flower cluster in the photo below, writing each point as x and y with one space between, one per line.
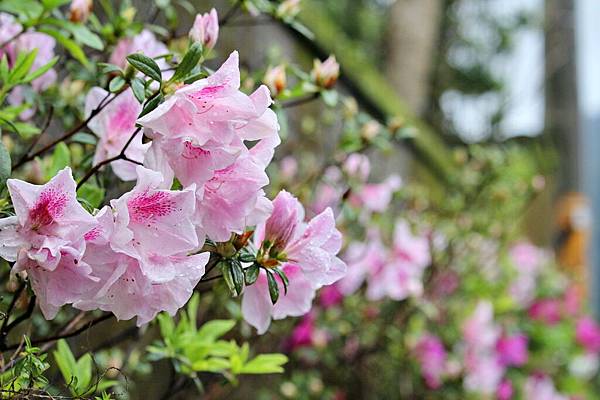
395 273
308 253
140 255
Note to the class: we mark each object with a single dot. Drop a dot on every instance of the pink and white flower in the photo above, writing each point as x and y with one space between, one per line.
432 356
199 136
140 252
309 255
45 238
114 126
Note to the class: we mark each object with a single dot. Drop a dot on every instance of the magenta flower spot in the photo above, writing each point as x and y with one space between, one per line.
194 152
50 206
146 207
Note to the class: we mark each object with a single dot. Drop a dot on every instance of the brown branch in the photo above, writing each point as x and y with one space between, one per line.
103 103
230 13
300 101
120 156
67 335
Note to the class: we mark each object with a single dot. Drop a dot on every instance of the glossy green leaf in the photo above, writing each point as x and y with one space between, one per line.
5 164
273 287
252 273
146 65
189 61
139 90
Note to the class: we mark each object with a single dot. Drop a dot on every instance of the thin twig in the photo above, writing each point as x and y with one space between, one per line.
67 335
300 101
120 156
103 103
4 329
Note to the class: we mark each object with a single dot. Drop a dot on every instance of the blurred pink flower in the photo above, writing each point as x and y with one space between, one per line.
432 356
303 334
357 166
587 334
505 390
325 73
512 350
144 42
330 296
541 387
546 310
206 29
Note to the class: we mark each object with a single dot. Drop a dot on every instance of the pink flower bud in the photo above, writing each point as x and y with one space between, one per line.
206 29
275 78
288 9
80 10
326 73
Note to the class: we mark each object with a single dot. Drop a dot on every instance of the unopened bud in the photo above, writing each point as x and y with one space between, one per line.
206 29
288 9
80 10
275 78
326 73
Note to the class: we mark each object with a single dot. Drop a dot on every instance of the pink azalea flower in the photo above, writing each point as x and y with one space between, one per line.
114 126
403 272
541 387
146 43
45 238
302 335
140 251
432 356
376 196
206 29
505 390
357 166
199 135
546 310
330 296
484 372
365 260
215 109
587 334
309 252
512 350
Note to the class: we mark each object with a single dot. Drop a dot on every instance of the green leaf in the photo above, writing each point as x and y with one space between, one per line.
107 68
84 373
24 129
273 287
214 329
116 84
252 273
85 36
92 194
52 4
190 60
238 276
146 65
211 365
5 164
85 138
139 89
283 278
226 270
192 310
265 364
29 8
22 66
40 71
65 360
70 45
151 104
61 157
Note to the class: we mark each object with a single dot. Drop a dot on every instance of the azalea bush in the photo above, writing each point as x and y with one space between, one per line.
162 211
